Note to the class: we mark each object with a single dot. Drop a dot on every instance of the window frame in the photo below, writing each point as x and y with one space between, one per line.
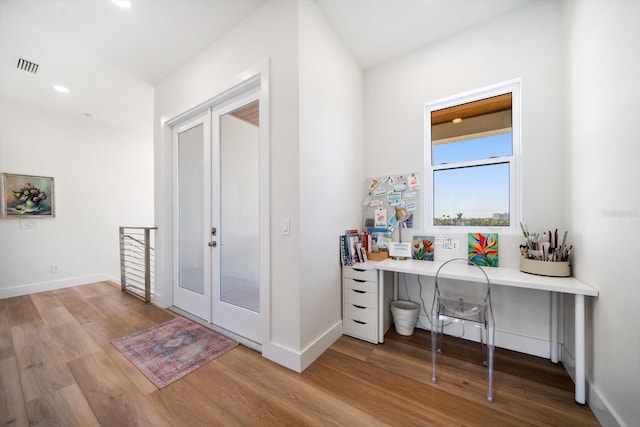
515 181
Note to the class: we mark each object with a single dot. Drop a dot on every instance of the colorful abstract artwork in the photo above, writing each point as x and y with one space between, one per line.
422 248
483 249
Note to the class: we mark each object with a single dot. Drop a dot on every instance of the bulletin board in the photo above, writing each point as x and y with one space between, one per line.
384 193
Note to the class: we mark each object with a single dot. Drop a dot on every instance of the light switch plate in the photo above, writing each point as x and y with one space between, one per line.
284 226
28 224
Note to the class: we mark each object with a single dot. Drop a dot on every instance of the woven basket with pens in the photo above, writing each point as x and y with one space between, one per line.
544 254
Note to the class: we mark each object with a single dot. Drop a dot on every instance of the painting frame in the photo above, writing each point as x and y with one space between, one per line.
23 196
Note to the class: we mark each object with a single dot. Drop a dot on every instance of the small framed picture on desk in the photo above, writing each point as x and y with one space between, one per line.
399 250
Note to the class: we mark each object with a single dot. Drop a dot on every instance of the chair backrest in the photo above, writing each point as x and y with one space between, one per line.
462 287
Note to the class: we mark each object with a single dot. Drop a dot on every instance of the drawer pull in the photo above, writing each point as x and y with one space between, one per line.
359 322
359 280
360 270
359 291
359 306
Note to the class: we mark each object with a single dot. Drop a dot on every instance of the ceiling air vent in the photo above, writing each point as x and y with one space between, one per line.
28 66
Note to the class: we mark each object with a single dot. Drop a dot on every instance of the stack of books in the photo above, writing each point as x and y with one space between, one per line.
361 247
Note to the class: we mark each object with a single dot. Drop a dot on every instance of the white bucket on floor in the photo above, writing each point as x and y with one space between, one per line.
405 315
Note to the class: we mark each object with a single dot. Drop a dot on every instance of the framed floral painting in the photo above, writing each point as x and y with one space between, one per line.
27 195
423 248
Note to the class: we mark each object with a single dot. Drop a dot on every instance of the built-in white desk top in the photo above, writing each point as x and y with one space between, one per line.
505 276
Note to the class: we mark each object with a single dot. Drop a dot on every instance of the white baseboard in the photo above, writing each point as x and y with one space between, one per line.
510 341
595 399
300 360
282 355
320 345
33 288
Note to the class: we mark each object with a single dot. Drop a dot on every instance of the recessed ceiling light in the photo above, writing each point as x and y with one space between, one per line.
61 89
457 120
125 4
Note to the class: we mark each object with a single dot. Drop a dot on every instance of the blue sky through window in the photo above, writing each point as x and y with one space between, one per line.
477 191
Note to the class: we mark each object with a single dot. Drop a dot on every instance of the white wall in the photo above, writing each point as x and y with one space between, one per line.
315 133
331 167
268 34
525 44
103 179
603 200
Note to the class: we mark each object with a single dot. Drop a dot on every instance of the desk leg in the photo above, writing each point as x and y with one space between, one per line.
554 327
580 349
381 307
396 280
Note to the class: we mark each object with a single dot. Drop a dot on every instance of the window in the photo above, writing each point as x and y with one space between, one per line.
472 146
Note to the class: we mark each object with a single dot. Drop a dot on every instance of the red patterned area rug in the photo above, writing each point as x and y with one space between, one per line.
170 350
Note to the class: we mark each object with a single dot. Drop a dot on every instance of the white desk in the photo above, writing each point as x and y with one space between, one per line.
507 276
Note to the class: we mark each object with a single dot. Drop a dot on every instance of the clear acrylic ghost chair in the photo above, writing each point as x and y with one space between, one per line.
463 295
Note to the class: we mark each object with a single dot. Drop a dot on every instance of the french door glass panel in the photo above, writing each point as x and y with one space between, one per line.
191 270
239 213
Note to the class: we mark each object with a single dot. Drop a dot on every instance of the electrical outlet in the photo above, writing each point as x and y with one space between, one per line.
54 268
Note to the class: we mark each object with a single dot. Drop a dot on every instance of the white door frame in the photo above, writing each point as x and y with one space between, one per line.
257 76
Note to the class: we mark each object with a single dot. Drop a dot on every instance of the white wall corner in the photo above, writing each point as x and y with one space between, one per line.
282 355
320 345
597 402
300 360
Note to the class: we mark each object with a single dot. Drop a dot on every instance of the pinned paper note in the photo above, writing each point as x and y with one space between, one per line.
398 188
380 218
393 198
414 182
373 183
376 203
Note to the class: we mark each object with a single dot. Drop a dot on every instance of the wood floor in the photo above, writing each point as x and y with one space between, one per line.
58 368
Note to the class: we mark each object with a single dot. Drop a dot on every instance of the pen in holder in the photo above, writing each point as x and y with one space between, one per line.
544 254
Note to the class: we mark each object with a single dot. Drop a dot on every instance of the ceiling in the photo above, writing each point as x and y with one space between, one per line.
111 58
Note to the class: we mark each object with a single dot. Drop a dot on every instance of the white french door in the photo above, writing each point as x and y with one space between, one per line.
192 211
236 210
217 157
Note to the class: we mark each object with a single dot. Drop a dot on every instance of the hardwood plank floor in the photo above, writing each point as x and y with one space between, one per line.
58 367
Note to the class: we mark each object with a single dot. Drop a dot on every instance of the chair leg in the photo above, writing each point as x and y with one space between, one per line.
483 346
490 348
434 347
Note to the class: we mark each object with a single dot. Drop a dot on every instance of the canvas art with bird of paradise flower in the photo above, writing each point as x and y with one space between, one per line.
483 249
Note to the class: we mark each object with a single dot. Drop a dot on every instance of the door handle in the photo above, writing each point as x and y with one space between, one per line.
213 244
